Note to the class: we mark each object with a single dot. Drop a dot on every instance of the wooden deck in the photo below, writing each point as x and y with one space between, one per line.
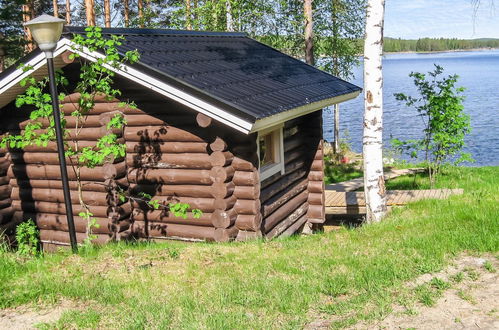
358 183
353 202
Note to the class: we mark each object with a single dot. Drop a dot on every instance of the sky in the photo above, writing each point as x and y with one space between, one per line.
413 19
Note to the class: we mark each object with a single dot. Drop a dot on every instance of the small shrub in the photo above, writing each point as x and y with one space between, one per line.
458 278
440 106
439 284
27 237
489 267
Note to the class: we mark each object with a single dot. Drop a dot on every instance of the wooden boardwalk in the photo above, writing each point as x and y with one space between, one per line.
358 183
353 202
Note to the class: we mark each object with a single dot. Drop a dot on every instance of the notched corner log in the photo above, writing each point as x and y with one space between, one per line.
203 120
66 57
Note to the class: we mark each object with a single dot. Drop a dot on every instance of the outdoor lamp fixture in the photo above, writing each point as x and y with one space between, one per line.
47 30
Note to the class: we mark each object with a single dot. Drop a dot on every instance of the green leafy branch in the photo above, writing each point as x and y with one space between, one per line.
178 209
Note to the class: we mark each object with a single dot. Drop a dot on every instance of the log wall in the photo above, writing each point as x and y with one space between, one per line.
290 200
36 188
176 155
7 222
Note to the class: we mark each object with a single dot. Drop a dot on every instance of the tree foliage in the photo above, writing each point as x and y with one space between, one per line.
440 106
436 44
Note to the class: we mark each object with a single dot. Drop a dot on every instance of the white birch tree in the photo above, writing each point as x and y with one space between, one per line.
374 184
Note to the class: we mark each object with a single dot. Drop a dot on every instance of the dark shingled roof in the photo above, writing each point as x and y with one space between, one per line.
250 79
232 68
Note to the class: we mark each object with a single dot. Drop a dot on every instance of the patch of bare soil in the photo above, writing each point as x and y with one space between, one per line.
472 302
24 317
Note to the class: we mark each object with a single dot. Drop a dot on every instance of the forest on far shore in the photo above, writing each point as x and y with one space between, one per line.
436 44
391 45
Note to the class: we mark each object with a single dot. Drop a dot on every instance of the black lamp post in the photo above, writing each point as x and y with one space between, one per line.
46 31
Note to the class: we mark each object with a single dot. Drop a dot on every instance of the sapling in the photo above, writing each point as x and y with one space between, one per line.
440 106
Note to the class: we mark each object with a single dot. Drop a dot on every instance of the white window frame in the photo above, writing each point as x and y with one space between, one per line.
278 148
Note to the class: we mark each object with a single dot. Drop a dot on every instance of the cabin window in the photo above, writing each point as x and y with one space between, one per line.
270 152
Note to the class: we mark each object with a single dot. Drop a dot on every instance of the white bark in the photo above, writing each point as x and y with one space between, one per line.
336 145
228 13
374 184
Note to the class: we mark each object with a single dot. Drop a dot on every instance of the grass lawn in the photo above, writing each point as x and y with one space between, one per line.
334 173
349 275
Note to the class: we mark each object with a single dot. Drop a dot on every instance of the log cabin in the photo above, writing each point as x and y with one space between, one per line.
223 122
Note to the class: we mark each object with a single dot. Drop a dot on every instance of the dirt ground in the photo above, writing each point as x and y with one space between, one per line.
470 303
28 317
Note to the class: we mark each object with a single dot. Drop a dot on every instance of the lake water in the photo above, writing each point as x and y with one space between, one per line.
478 72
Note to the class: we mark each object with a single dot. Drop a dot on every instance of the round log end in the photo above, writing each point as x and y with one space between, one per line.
218 145
225 235
66 57
217 158
220 219
203 120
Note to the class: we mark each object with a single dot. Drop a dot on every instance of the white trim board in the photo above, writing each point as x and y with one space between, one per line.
9 87
283 117
277 132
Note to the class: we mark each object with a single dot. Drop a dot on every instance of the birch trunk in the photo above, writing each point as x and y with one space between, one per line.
56 8
107 13
309 32
126 13
374 183
68 12
230 22
90 12
336 145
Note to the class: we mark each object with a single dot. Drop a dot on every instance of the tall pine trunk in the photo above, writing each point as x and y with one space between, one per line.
90 12
309 32
56 8
126 12
374 183
2 53
28 14
107 13
195 23
141 13
188 15
68 12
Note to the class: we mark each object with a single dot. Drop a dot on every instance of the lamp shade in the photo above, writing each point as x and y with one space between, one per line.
46 31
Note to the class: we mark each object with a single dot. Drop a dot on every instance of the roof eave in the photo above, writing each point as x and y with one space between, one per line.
9 86
282 117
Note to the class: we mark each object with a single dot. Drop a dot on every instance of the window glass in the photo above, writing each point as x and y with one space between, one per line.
266 150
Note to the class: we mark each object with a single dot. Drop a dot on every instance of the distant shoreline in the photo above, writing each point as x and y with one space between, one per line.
443 51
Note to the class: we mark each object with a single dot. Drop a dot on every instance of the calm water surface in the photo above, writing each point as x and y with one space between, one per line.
478 72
